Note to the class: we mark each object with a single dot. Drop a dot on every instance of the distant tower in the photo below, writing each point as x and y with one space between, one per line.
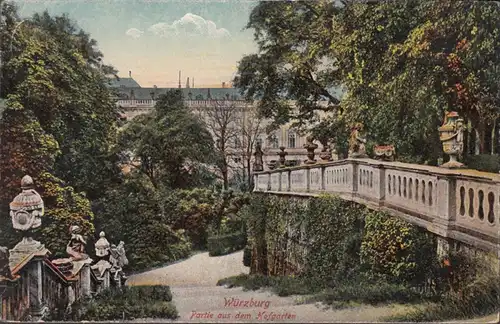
179 79
187 83
209 96
193 83
129 74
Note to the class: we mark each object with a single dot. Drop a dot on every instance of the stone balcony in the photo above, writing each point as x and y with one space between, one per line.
462 205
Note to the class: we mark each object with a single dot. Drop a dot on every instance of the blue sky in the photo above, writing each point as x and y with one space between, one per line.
156 39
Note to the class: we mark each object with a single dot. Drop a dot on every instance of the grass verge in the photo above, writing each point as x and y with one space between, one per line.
126 303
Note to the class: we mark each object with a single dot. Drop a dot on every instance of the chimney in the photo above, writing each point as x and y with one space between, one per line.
193 83
129 74
179 79
187 83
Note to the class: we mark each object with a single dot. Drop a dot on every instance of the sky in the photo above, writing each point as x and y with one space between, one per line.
155 39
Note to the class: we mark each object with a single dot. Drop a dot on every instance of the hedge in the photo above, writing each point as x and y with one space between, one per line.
225 244
126 303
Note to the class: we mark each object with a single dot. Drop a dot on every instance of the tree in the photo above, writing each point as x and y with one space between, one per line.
170 144
221 120
252 127
401 64
56 127
55 77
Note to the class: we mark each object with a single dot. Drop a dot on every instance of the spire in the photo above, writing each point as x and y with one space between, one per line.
179 79
187 83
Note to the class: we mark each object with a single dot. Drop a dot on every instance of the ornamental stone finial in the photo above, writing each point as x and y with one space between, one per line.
102 246
27 208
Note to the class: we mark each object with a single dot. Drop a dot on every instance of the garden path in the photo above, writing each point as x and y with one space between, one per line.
193 284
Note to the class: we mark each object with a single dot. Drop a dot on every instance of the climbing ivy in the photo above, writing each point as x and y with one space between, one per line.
331 240
395 249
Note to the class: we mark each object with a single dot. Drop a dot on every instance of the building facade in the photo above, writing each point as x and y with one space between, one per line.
208 103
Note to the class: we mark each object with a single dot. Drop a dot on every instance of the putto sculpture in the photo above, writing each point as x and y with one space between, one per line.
310 147
282 154
451 136
118 260
325 154
357 142
76 245
258 164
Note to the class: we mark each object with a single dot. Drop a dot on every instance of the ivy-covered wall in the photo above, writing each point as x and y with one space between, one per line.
331 239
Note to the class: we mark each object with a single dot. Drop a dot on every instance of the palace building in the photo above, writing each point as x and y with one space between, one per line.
134 100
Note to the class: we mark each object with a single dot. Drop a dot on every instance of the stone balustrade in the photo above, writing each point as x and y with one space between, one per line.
462 205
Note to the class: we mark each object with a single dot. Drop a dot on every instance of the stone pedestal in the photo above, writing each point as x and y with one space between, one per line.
38 309
86 289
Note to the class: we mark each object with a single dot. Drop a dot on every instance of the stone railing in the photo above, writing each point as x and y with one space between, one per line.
150 103
463 205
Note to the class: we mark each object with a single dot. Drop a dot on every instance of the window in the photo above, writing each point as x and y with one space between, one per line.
273 141
291 139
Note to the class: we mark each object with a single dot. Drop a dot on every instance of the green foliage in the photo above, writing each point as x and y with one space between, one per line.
396 65
396 250
475 291
131 213
225 244
334 230
170 144
65 208
484 162
126 303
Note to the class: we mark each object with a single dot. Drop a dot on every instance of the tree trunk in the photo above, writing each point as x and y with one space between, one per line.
224 175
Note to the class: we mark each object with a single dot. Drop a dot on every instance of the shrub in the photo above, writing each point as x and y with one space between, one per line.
474 290
126 303
395 249
484 162
225 244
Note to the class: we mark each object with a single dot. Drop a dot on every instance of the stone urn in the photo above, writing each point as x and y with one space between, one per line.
310 147
325 154
282 155
451 136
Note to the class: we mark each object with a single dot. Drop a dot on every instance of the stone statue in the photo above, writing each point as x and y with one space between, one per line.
310 147
27 208
102 246
282 154
325 154
357 142
258 164
118 259
122 255
76 245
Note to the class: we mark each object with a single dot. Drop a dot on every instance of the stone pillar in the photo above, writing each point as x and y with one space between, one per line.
85 281
35 285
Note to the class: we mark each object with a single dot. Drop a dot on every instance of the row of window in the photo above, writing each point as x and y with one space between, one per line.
274 143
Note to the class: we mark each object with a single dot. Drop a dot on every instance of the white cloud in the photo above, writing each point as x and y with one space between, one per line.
189 25
134 33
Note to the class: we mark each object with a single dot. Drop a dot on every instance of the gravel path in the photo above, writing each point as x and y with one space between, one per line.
198 299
